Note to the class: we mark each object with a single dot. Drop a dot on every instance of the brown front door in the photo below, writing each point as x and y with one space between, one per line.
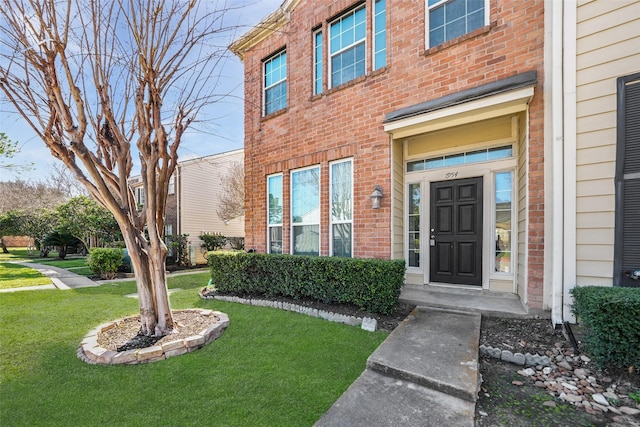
456 231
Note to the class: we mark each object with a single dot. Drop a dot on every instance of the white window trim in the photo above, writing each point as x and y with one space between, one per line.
292 223
428 8
331 221
269 225
264 81
353 45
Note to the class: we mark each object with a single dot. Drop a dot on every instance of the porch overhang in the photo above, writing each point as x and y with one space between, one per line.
506 96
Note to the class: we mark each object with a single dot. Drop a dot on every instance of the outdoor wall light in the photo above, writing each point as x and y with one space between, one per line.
376 196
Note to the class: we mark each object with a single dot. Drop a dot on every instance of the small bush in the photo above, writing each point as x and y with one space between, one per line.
177 245
236 243
371 284
610 316
212 241
105 262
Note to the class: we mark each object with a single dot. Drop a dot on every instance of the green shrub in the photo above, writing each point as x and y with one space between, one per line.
105 262
177 245
212 241
610 316
371 284
236 243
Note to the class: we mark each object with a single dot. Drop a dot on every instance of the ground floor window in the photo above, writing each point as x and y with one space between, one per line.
305 211
274 214
341 177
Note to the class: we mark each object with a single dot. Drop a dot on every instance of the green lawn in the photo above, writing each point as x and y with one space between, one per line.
18 276
63 263
270 368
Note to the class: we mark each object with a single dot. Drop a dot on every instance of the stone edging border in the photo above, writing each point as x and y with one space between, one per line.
90 352
515 358
367 323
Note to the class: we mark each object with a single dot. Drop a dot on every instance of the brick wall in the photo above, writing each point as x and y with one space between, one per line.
347 121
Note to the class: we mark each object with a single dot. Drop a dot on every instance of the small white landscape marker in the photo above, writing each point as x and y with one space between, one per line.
369 324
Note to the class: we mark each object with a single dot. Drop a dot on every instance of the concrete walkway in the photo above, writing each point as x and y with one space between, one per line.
65 279
61 278
424 374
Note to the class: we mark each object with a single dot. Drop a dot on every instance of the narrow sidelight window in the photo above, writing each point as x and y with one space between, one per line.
413 228
503 221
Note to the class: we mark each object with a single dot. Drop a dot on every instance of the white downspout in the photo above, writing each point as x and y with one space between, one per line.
570 144
554 135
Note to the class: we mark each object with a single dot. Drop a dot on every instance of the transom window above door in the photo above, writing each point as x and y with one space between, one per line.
465 158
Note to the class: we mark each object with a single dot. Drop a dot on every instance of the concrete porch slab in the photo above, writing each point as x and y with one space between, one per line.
495 304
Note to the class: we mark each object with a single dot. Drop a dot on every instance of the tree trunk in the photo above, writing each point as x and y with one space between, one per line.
4 248
148 263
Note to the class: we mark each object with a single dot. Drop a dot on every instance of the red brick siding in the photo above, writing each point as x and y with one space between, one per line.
347 121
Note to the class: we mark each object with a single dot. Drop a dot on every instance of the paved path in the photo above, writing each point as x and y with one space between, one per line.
424 374
65 279
61 278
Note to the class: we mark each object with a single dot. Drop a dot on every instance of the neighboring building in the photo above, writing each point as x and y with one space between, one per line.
194 196
439 103
594 162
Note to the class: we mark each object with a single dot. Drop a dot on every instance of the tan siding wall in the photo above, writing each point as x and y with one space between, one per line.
521 278
608 46
397 172
202 185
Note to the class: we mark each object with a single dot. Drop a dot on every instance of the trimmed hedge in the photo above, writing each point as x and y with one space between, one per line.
105 262
371 284
612 319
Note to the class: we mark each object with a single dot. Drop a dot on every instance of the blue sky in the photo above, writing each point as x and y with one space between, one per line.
225 132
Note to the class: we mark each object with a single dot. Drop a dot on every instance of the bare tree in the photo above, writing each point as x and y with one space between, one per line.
103 81
62 179
232 200
20 195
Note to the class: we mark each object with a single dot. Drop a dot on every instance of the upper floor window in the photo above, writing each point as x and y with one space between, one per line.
448 19
379 34
275 83
317 62
172 185
347 46
140 196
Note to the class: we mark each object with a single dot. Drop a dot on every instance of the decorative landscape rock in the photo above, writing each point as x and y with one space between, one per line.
91 352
